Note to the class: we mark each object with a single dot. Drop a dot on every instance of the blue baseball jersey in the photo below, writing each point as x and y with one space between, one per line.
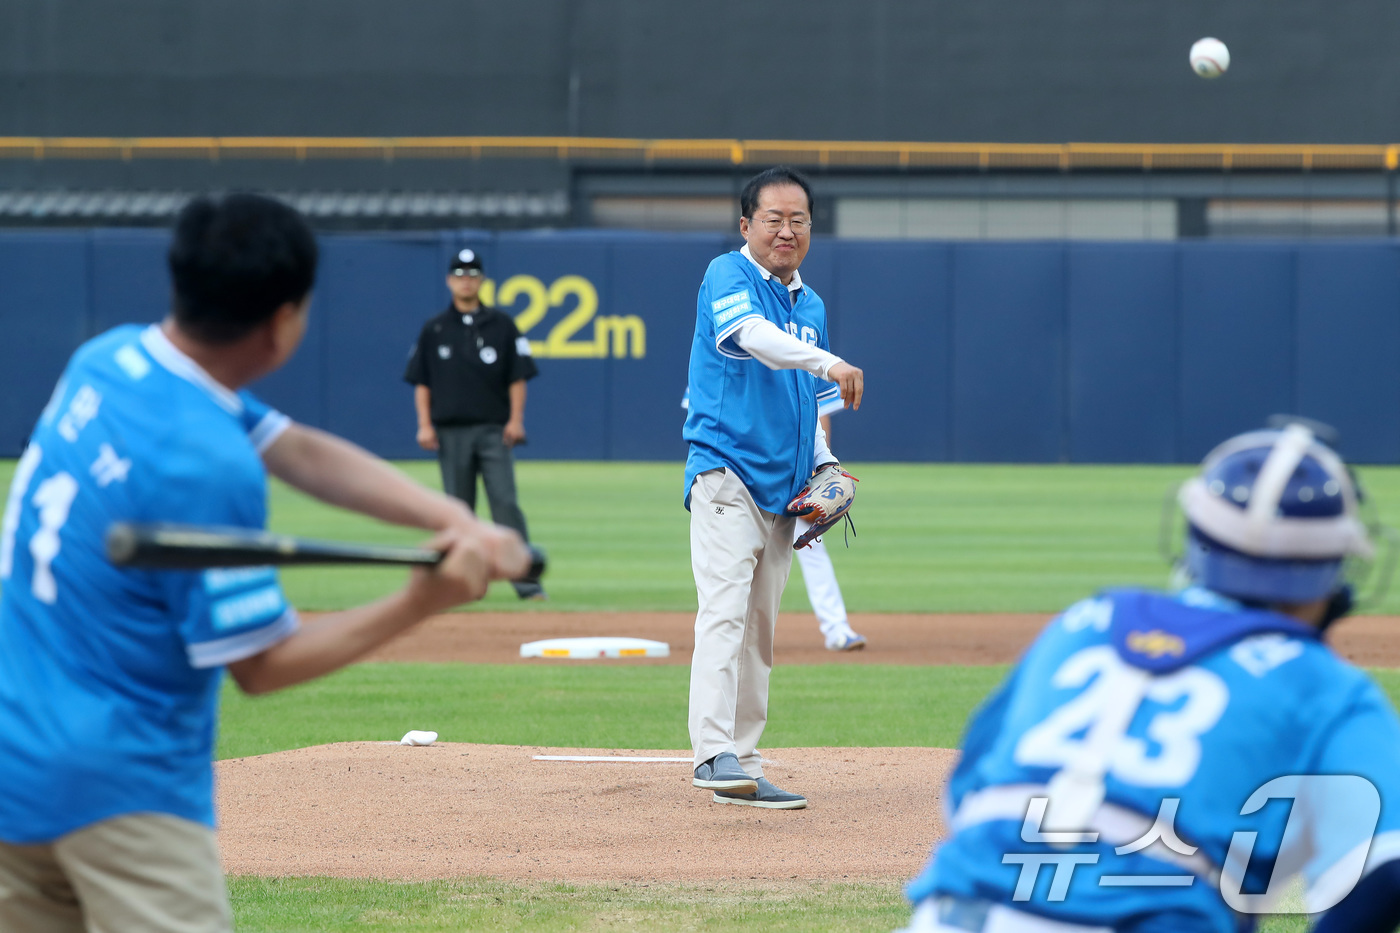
1134 699
109 677
759 423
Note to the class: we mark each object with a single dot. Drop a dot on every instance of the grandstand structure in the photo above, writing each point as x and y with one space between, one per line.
918 121
869 189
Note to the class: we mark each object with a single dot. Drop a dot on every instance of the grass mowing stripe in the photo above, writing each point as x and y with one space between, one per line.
608 707
598 707
276 905
287 905
933 537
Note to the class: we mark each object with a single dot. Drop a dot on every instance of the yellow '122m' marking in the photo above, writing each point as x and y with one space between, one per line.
616 336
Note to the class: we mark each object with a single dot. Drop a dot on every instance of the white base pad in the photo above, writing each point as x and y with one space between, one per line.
605 647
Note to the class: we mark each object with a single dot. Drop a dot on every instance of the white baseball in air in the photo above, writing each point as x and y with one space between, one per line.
1210 58
418 738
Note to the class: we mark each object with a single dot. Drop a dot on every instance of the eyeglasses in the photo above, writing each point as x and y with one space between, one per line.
774 224
470 273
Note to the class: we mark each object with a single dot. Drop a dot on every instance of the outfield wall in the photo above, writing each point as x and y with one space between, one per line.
1012 352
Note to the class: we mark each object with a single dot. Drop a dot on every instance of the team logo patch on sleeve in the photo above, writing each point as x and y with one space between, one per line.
731 306
264 605
1156 643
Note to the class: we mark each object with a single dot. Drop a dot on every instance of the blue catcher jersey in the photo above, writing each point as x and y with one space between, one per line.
759 423
1158 724
109 677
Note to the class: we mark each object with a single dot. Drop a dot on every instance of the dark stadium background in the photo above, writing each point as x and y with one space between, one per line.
1130 309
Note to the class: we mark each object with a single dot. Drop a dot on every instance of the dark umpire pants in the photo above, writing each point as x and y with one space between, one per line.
465 451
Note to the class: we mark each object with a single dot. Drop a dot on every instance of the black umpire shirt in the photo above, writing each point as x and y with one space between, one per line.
468 362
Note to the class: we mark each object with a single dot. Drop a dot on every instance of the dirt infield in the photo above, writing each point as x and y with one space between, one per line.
381 810
983 638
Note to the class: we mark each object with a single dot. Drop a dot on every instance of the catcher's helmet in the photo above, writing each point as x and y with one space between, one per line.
1271 517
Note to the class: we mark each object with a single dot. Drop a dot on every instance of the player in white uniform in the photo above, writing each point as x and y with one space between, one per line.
759 353
823 592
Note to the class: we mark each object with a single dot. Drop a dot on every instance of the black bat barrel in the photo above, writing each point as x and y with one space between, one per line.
186 547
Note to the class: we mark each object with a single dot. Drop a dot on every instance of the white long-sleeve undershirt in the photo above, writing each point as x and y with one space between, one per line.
821 451
776 349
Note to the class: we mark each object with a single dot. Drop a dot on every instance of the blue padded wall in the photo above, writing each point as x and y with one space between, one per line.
375 293
1122 353
658 278
892 317
566 408
129 277
1348 357
1012 352
1008 352
1237 340
44 315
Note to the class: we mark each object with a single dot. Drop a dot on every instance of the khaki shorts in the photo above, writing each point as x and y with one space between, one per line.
148 872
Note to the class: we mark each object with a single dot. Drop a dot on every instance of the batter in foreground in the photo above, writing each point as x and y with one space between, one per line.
759 369
110 677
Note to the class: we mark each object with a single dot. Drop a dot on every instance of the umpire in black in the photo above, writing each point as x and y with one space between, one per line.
468 370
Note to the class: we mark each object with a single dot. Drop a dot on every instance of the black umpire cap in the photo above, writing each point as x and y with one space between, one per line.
464 261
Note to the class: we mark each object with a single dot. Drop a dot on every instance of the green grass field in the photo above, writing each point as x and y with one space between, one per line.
931 538
599 706
609 707
266 905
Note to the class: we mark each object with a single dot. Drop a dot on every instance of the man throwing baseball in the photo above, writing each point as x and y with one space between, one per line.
758 458
110 677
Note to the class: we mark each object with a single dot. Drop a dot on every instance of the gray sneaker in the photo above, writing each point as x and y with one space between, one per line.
722 772
767 796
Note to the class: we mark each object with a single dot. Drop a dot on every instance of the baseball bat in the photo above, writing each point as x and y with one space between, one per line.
194 547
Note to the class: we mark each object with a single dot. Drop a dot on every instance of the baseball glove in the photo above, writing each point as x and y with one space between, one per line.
824 502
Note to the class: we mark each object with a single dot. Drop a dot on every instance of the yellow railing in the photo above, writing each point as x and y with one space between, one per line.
893 155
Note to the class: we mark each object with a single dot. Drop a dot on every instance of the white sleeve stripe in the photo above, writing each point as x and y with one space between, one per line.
1385 847
732 326
273 426
831 406
1329 888
831 391
222 651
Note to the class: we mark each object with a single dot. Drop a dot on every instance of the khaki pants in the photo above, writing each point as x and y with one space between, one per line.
741 557
146 872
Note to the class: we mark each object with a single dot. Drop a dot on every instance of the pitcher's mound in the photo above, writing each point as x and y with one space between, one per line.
371 809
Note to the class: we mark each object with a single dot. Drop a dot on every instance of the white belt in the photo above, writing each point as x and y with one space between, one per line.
1117 826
